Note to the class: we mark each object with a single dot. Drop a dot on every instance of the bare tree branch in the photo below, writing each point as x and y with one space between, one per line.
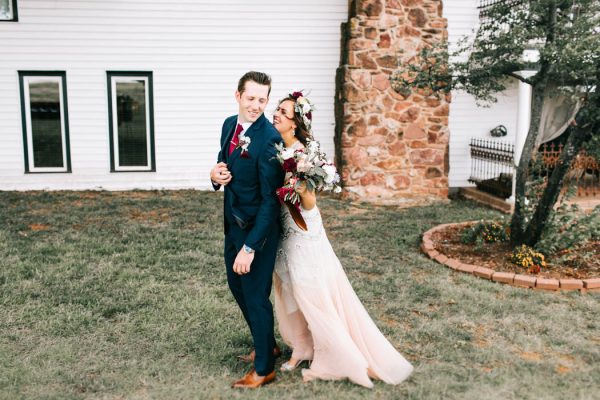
519 77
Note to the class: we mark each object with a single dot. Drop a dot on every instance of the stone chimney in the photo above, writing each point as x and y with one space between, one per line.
392 148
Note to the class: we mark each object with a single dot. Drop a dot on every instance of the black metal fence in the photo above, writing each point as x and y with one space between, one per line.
485 5
492 166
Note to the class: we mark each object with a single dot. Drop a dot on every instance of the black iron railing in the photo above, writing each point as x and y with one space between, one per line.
492 166
485 5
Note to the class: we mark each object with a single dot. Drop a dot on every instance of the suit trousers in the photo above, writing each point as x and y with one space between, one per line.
252 290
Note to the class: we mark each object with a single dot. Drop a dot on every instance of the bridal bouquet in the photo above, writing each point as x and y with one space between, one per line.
307 166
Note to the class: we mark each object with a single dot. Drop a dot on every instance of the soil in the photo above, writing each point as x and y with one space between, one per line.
580 263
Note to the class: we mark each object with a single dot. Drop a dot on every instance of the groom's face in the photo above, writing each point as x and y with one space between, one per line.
252 101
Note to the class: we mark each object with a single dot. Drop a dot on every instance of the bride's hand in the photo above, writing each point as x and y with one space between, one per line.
301 188
308 198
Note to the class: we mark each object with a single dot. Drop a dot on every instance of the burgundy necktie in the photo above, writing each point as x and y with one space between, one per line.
235 140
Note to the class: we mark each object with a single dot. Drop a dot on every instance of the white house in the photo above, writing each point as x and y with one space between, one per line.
169 70
131 94
468 120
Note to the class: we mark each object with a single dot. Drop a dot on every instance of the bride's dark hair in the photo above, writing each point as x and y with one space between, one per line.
301 132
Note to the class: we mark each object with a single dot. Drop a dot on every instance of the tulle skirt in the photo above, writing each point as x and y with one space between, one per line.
321 318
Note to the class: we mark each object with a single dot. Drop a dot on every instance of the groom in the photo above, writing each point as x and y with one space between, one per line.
247 168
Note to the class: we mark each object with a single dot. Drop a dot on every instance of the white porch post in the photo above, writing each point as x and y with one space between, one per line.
523 121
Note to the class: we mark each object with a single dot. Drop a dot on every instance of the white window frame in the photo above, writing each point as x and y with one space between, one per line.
114 79
12 9
27 79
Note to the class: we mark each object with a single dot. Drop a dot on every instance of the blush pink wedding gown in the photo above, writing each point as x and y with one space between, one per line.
321 318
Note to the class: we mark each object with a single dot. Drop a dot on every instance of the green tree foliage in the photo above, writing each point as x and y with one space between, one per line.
566 35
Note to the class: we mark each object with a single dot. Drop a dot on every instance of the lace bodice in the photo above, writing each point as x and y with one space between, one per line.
313 221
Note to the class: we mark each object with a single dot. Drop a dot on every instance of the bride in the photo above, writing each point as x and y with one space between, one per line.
320 317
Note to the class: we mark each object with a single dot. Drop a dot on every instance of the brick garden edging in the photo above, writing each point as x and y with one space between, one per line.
519 280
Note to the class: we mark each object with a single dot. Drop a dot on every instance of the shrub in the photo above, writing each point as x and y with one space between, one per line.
486 232
592 147
568 228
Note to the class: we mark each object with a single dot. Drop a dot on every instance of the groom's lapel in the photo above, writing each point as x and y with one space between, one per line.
225 148
234 156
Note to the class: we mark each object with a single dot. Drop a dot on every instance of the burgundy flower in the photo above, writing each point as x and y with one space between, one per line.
295 95
282 192
309 116
289 165
245 154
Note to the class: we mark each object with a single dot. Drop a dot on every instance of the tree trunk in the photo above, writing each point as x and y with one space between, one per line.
536 226
517 223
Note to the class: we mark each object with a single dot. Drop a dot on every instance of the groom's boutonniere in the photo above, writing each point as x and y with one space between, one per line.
244 143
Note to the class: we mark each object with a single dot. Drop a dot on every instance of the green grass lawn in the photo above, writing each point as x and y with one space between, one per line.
124 296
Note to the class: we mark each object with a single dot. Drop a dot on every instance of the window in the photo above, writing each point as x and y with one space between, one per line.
8 10
131 121
45 121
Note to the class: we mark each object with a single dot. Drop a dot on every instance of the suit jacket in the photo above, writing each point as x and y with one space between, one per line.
250 199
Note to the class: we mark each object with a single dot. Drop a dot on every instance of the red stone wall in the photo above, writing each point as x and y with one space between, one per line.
393 149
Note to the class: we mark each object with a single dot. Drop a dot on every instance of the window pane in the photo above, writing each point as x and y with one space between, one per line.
6 10
131 120
46 130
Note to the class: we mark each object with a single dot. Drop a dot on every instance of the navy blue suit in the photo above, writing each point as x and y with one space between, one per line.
251 216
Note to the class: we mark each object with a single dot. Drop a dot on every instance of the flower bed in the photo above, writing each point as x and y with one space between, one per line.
493 261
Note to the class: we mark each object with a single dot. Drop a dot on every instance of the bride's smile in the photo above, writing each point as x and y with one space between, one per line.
285 123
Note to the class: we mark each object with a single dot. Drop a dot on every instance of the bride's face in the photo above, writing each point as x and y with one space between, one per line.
283 118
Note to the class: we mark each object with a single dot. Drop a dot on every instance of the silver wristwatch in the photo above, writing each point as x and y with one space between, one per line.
248 249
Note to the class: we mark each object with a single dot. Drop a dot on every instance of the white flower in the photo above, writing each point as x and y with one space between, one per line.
331 173
287 154
244 142
337 179
304 106
304 165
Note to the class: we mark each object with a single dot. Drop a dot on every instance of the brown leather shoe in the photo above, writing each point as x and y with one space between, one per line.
252 380
250 357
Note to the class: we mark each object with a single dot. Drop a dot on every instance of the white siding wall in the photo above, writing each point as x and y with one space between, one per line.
467 120
196 49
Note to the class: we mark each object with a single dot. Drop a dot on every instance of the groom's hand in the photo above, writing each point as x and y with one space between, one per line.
220 174
242 262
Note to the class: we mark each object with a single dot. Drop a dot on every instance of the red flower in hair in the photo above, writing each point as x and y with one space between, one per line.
309 116
295 95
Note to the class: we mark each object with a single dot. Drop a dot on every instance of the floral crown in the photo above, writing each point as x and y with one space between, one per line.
304 107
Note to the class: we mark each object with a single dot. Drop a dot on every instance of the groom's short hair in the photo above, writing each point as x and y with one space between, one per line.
259 77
